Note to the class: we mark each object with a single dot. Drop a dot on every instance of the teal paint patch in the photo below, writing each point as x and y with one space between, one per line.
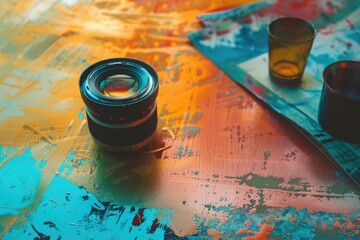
183 152
66 168
294 223
6 152
196 117
70 212
19 180
71 163
190 131
83 61
80 115
267 154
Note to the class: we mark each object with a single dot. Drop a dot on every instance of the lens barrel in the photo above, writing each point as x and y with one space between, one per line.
120 98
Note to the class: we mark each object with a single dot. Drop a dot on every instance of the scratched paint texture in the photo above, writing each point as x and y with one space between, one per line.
242 40
234 170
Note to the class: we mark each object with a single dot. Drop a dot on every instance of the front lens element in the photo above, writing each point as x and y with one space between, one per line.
119 86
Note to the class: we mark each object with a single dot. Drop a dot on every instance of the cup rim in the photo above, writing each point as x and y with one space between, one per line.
330 87
309 25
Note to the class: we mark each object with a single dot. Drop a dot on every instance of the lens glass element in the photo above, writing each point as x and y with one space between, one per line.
119 85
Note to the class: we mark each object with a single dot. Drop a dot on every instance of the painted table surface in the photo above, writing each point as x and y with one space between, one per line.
235 169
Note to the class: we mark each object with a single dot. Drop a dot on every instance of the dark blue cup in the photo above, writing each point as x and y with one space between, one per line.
339 108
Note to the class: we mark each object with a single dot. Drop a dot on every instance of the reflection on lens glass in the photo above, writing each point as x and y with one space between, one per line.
119 85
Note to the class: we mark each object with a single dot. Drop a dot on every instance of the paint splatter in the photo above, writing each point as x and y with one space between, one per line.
20 177
55 217
276 223
267 155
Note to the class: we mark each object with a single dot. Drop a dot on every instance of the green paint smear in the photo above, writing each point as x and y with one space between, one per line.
261 208
295 181
298 185
208 206
38 48
270 182
267 155
254 180
340 188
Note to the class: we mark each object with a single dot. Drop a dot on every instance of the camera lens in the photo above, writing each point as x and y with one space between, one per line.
120 98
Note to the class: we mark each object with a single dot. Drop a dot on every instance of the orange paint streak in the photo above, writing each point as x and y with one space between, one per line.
324 226
7 224
243 230
212 232
350 225
264 232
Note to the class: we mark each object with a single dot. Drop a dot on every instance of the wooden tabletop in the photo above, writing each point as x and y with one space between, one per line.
234 168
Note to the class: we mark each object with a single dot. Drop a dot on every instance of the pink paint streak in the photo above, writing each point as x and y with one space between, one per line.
330 8
351 25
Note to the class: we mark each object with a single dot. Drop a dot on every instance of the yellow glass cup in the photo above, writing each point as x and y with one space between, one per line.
290 42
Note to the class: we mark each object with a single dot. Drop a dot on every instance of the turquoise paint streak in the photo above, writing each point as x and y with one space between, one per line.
70 163
70 212
66 168
19 180
6 152
80 115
